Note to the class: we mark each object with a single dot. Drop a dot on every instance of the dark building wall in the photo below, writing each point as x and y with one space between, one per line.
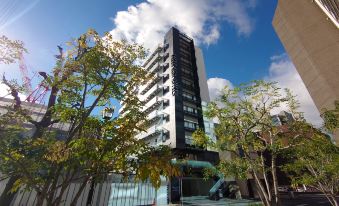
177 42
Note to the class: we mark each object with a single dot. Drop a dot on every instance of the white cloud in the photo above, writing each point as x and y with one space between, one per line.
215 85
147 22
283 71
5 92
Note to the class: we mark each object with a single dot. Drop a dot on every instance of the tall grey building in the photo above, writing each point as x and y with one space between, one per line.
174 98
309 31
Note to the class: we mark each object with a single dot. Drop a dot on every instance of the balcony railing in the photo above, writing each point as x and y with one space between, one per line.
156 51
164 56
156 115
153 66
194 114
153 82
154 103
154 92
188 86
331 9
155 131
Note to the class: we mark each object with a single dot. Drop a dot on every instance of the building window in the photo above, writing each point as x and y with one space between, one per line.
187 72
187 82
185 60
190 109
189 139
189 96
190 125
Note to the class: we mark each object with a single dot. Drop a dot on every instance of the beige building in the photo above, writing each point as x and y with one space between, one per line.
309 31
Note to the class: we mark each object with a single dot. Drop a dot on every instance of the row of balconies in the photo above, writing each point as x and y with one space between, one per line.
157 115
154 81
156 51
155 91
151 99
157 67
156 59
155 103
155 131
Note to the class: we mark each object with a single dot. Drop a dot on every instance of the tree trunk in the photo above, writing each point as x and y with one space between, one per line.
58 198
91 192
275 200
76 197
265 198
7 197
334 201
329 197
265 177
40 199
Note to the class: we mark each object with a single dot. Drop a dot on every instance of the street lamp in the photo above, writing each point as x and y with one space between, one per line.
107 113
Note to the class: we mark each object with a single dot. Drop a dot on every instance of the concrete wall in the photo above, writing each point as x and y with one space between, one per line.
204 94
312 42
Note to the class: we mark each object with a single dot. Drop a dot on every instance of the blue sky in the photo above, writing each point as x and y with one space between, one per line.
237 37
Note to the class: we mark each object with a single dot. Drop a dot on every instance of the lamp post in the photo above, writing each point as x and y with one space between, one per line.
107 114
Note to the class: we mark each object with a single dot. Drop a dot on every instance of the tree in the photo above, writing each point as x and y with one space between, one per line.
315 162
246 130
331 118
10 50
93 72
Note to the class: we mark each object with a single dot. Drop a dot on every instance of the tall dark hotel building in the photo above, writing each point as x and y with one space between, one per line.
175 97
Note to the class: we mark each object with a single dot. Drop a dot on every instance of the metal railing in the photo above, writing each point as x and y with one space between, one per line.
331 9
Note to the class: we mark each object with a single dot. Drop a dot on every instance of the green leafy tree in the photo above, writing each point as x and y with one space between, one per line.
331 119
10 50
316 163
245 130
92 73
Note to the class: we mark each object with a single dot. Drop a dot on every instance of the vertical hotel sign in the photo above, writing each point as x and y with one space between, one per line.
174 75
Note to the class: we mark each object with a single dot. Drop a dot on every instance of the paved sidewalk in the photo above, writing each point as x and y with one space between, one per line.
301 199
305 199
204 201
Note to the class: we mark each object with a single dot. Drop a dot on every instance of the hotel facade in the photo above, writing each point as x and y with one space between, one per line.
176 97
